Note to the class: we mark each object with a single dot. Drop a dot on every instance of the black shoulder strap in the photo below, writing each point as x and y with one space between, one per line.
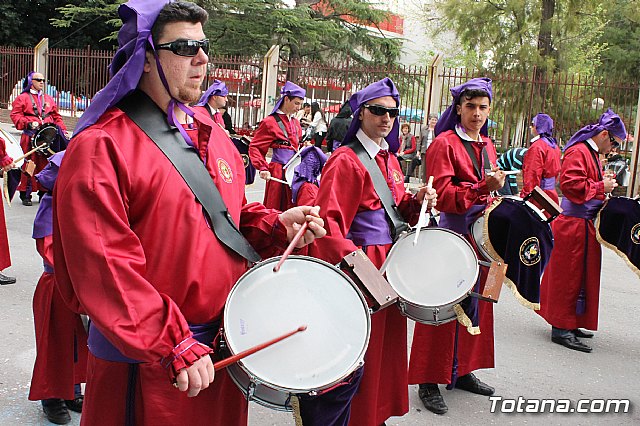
281 125
152 121
472 155
594 155
381 187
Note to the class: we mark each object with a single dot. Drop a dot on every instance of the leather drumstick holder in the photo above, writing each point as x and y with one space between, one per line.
545 202
377 290
493 285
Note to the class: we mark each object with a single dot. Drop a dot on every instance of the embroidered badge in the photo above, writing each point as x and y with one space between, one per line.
225 171
245 160
635 233
396 177
530 251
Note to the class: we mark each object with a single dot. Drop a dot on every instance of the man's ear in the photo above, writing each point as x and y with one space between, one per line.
148 58
458 107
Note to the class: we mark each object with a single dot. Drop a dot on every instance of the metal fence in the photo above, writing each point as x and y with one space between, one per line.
15 63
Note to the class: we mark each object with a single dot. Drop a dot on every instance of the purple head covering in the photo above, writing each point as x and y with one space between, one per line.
289 89
218 88
449 118
384 87
609 121
544 126
28 81
138 17
312 161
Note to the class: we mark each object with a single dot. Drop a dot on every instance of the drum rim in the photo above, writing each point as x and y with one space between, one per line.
359 361
42 128
408 234
13 142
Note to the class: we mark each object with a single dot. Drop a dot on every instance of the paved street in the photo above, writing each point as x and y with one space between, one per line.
527 363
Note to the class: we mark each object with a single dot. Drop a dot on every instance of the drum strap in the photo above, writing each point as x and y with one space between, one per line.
284 130
381 187
595 160
152 121
487 163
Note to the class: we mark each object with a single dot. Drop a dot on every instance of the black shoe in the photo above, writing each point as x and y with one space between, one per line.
583 334
75 404
27 202
571 342
471 383
4 280
56 411
431 398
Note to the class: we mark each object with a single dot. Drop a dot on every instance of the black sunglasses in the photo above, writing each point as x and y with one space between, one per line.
41 80
614 143
380 110
186 47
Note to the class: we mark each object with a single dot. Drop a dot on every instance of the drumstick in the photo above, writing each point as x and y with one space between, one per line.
279 180
29 153
506 172
291 246
423 212
235 358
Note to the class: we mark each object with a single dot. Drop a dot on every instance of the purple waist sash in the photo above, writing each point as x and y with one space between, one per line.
461 223
548 183
282 155
588 210
370 228
101 348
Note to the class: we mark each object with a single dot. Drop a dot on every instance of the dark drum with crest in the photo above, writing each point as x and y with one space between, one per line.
242 145
618 228
49 139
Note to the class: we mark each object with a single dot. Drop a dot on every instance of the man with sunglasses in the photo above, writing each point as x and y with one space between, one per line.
460 158
214 98
280 131
541 163
30 110
356 217
570 289
134 248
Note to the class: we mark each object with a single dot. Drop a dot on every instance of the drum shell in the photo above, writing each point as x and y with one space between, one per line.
269 389
435 247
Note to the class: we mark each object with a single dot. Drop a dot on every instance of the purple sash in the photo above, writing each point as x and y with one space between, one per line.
282 155
548 183
588 210
370 228
461 223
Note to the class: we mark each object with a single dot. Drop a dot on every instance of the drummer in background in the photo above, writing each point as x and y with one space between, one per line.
306 176
511 160
541 164
459 158
138 255
570 289
30 110
214 98
281 132
354 217
6 163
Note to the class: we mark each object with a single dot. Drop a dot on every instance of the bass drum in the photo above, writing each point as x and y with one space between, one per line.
12 146
264 304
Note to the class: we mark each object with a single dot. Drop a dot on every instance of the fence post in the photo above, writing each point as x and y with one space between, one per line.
40 62
635 181
269 81
432 99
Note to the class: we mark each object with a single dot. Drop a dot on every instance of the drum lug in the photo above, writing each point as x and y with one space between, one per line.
403 307
251 390
313 393
436 311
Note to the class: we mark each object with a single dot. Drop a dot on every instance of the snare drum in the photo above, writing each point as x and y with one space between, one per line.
618 228
432 276
516 232
264 304
12 147
51 137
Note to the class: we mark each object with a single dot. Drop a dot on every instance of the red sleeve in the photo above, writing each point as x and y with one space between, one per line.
262 229
19 108
307 194
454 178
141 322
267 133
578 177
55 115
532 168
412 149
5 160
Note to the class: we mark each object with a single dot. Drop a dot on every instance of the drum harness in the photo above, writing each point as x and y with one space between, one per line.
398 225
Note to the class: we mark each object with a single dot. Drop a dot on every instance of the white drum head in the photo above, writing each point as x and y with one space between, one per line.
13 146
441 268
265 304
291 168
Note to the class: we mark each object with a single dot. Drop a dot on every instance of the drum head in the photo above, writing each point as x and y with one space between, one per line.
441 268
46 134
291 168
12 146
306 291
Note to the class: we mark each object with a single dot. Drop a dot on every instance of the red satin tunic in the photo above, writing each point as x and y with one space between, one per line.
540 161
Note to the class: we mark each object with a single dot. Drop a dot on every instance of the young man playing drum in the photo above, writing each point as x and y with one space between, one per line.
30 110
541 163
355 216
570 289
139 255
459 158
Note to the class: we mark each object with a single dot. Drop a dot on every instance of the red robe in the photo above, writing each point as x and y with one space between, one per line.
540 161
276 195
140 259
562 279
23 113
5 257
432 351
307 194
58 330
345 190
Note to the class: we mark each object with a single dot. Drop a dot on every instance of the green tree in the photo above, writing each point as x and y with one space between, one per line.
621 36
